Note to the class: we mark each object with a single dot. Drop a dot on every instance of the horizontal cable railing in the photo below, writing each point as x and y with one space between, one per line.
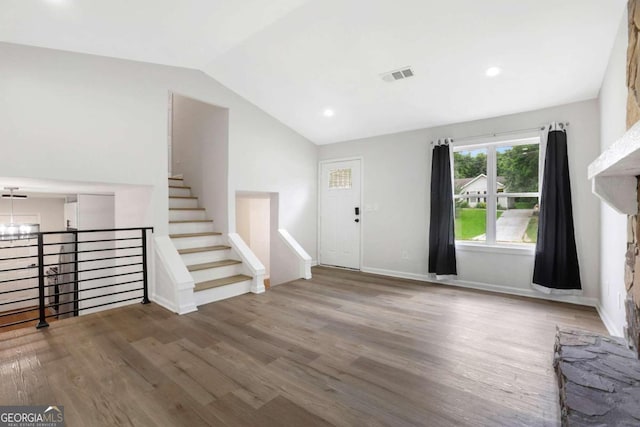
60 274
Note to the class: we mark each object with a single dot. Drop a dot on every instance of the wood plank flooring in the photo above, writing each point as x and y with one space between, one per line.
20 317
344 349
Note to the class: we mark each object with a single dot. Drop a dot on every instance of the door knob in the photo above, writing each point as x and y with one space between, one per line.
357 220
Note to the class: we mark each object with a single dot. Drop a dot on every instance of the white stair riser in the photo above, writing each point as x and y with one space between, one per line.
186 215
198 242
179 192
183 203
178 182
216 273
222 292
191 227
202 257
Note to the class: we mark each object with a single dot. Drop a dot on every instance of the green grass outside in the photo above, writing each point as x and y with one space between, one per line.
525 205
532 230
471 222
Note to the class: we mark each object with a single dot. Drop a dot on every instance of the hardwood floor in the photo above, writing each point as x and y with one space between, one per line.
344 348
19 317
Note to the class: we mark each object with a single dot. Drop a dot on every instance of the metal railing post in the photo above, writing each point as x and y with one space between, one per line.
76 293
41 297
145 297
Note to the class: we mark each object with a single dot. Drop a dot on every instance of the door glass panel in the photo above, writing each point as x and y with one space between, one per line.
340 179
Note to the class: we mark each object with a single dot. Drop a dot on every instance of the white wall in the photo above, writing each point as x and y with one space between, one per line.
613 231
96 119
200 143
96 212
285 264
397 180
85 118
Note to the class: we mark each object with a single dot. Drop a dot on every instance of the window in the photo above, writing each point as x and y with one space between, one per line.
507 175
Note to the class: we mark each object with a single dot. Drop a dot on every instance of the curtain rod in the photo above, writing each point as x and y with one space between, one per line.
551 126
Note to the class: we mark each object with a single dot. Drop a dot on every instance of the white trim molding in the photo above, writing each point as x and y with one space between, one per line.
608 323
174 285
304 260
250 260
571 299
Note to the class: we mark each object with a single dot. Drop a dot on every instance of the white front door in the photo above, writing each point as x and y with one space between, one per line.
340 213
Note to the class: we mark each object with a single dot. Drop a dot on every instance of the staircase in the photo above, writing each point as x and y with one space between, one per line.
214 266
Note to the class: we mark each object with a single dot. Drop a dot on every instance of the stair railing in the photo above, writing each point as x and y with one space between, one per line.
78 272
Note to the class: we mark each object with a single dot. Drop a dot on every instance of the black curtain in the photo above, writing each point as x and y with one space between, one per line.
442 247
556 263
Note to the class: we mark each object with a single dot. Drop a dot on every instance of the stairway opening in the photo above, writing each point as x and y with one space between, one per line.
200 152
253 224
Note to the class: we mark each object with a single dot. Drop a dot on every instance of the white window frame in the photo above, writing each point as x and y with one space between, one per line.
492 191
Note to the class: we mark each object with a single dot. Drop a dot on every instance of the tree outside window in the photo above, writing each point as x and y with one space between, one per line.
507 175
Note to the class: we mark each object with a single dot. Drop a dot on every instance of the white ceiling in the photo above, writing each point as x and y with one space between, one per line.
295 58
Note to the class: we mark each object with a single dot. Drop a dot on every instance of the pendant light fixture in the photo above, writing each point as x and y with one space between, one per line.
13 231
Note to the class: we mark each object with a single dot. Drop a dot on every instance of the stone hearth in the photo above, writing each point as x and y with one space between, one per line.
599 380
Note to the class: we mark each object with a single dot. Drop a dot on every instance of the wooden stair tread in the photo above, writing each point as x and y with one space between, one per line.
214 264
221 282
203 249
179 186
183 197
186 209
209 233
189 221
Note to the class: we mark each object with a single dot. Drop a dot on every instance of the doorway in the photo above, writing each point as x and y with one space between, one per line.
340 213
199 144
253 224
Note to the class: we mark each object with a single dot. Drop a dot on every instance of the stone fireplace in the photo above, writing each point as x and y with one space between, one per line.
599 376
632 265
616 179
632 279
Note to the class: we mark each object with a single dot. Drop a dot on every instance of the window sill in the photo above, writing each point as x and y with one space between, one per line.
514 249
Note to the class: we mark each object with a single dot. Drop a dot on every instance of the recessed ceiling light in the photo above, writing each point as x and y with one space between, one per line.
58 2
493 71
328 112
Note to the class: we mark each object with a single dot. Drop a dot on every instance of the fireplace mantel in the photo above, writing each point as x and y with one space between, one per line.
613 173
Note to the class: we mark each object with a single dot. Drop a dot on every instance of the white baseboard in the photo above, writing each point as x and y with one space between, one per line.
573 299
393 273
608 323
188 308
169 305
314 263
164 303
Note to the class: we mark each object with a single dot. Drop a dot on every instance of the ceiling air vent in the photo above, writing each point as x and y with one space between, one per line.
399 74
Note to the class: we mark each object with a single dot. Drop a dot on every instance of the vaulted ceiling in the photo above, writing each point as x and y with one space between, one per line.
297 58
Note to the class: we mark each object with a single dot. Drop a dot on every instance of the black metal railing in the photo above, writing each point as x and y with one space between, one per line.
78 272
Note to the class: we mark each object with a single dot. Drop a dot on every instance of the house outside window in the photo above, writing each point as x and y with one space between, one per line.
497 191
